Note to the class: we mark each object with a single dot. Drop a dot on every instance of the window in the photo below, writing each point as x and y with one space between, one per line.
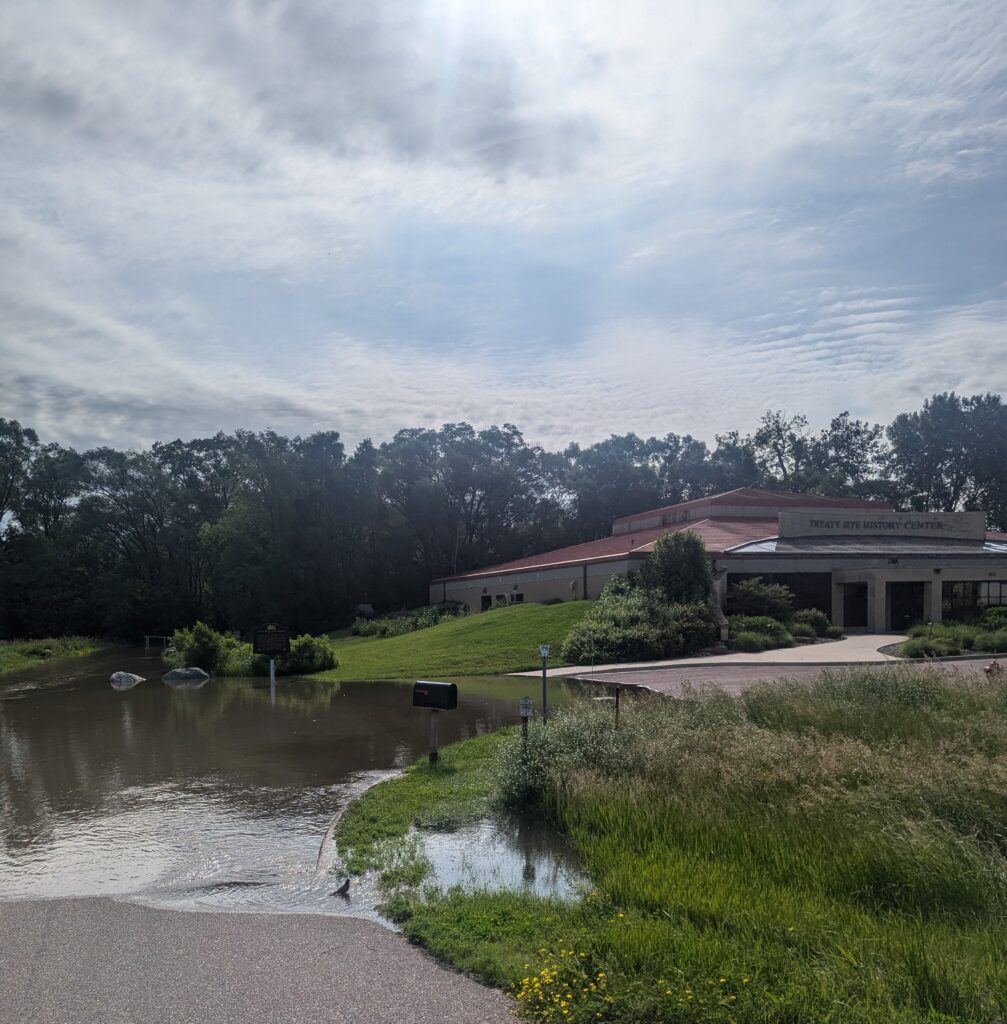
517 599
992 593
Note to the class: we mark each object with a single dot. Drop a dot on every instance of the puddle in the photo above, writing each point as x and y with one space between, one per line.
504 853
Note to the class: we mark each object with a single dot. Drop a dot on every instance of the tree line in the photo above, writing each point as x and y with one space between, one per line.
243 528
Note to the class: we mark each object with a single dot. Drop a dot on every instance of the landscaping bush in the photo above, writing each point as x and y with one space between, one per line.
803 629
752 642
625 624
995 618
773 632
814 618
677 569
222 655
930 647
407 622
835 633
753 597
994 641
695 624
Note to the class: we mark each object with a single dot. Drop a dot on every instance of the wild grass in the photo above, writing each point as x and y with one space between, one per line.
494 642
943 639
832 851
16 654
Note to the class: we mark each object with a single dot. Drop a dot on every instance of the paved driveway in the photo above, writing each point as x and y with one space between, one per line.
97 961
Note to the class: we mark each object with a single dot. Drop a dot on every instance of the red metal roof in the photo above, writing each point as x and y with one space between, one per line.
758 497
716 534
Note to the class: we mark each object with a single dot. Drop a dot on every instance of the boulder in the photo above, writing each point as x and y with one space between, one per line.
125 680
191 677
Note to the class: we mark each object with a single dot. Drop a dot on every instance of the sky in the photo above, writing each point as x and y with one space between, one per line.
576 216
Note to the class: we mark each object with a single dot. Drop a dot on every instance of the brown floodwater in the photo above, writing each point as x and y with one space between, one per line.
221 797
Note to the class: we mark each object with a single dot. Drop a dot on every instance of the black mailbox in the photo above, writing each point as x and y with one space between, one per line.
439 696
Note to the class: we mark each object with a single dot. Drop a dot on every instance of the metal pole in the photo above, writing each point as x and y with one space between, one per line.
545 691
433 736
618 690
272 681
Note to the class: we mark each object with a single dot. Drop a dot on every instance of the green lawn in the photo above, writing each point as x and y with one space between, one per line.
819 853
15 654
504 640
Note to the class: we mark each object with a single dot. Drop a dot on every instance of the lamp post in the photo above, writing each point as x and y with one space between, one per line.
544 651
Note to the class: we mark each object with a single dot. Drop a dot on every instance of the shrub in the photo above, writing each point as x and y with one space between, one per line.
407 622
930 647
749 641
814 618
695 624
774 633
753 597
309 654
835 633
200 646
803 629
994 641
678 569
996 617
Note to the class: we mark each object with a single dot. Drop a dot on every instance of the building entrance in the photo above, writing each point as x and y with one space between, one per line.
854 605
905 604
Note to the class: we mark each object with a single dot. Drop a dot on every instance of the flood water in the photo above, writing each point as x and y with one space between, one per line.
217 797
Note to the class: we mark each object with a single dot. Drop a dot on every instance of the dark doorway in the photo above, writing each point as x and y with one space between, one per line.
485 603
905 604
854 605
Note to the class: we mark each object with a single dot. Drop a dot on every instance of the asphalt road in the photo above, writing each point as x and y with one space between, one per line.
736 678
98 961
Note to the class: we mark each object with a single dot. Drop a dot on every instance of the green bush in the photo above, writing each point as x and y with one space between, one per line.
995 618
750 641
753 597
200 646
803 629
814 618
835 633
930 647
695 624
407 622
994 641
677 569
309 654
772 630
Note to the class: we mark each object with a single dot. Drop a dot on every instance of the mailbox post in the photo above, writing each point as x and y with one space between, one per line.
544 651
437 697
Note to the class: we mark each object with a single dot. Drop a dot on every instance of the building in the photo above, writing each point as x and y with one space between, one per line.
865 565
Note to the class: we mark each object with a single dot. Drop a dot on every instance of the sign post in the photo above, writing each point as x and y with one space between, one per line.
271 640
526 706
437 697
544 651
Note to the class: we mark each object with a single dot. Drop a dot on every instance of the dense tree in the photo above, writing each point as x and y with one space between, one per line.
243 528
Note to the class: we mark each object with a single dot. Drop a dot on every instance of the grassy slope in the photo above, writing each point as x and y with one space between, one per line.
504 640
817 853
17 654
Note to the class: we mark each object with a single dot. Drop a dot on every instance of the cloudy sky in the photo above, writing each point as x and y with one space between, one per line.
579 216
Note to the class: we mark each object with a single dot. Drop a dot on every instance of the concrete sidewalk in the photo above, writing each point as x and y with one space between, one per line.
98 961
851 650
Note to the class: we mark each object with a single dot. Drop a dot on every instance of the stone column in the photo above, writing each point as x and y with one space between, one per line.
877 604
837 603
935 599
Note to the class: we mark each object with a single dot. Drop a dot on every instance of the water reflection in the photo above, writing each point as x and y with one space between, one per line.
183 796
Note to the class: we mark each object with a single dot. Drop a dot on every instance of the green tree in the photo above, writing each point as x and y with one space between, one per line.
677 569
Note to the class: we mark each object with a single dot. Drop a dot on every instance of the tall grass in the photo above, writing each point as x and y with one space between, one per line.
841 845
15 654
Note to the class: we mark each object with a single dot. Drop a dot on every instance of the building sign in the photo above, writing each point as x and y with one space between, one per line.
847 523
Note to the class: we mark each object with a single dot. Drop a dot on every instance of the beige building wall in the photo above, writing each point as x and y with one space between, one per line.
535 586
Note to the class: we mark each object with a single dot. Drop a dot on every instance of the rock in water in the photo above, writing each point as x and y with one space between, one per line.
190 677
125 680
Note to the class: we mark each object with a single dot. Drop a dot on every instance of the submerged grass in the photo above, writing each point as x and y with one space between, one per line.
16 654
832 851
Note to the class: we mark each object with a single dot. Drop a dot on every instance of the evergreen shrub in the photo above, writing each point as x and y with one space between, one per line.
814 618
754 597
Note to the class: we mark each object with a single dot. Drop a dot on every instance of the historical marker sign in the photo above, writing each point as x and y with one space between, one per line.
271 640
526 706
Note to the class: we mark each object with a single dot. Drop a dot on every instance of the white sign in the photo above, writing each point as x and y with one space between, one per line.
526 707
544 650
